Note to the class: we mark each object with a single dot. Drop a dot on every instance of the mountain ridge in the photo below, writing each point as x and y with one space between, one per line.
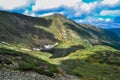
51 29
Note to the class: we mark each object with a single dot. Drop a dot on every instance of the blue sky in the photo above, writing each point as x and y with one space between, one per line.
101 13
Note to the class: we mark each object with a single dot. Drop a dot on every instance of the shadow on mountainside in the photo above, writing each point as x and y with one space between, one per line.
62 52
17 28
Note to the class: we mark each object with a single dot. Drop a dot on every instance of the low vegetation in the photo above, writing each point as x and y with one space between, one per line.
96 62
83 50
24 62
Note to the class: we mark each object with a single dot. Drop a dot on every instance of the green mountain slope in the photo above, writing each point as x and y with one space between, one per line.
69 30
95 63
82 50
20 29
36 32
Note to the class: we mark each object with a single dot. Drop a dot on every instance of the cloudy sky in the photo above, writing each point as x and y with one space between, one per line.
102 13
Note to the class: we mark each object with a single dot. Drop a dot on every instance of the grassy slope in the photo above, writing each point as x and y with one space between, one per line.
19 60
97 62
71 33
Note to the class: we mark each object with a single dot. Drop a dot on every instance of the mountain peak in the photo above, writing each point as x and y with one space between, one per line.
56 16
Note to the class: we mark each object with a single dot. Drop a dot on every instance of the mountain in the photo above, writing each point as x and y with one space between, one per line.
116 30
37 32
56 48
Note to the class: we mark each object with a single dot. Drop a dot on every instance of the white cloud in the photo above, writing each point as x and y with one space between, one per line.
26 12
103 20
61 13
100 19
29 13
46 14
33 14
85 8
106 25
51 13
95 21
110 2
13 4
110 12
108 20
80 21
98 22
88 20
49 4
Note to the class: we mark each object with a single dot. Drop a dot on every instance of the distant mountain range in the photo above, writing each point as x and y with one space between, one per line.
116 30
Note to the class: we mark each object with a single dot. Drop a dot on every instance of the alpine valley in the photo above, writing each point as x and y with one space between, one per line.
56 48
